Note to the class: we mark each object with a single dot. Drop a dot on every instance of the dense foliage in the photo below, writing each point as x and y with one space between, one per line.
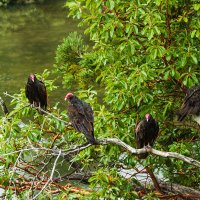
143 57
146 55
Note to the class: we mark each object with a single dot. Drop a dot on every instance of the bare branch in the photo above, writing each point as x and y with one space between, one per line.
12 172
132 150
178 189
39 108
31 188
153 178
175 155
50 178
31 149
116 141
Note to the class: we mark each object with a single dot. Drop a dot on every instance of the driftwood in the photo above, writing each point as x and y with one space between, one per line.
179 189
75 177
170 189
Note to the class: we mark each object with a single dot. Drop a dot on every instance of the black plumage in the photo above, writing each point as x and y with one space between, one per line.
81 117
36 92
146 133
191 105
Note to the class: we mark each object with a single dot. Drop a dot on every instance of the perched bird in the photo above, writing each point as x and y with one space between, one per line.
81 117
191 105
146 133
36 92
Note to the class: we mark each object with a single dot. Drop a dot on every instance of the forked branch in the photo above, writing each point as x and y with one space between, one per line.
118 142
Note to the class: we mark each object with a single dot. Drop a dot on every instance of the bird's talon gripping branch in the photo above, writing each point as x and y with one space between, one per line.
146 133
36 92
148 146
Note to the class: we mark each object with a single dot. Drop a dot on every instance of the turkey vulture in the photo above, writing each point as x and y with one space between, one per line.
191 105
146 133
36 92
81 117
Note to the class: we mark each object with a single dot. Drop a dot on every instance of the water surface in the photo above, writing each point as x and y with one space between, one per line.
29 36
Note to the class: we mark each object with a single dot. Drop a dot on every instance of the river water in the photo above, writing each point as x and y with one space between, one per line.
29 36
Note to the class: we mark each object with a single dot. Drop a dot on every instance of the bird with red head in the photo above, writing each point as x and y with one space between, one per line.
68 96
81 117
36 92
146 133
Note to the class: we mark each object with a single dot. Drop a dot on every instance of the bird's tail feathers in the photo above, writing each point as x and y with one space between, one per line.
90 138
89 135
143 156
181 114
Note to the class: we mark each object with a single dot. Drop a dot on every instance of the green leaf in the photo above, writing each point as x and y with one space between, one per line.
111 4
185 19
112 31
157 30
183 60
155 51
196 6
194 58
128 26
193 33
135 29
150 34
88 2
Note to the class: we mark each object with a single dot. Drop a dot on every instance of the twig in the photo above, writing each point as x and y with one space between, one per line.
151 150
153 178
13 170
168 23
116 141
31 149
50 114
50 178
39 108
39 173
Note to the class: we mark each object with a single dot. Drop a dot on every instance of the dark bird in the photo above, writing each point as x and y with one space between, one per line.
146 133
81 117
191 105
36 92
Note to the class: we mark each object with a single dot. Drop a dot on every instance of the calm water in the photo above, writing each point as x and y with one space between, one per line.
29 36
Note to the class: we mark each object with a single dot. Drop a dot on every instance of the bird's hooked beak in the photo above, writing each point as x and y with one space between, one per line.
147 116
68 96
32 77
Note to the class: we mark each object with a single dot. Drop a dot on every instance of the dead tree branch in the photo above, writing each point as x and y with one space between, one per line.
50 178
38 108
118 142
132 150
179 190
